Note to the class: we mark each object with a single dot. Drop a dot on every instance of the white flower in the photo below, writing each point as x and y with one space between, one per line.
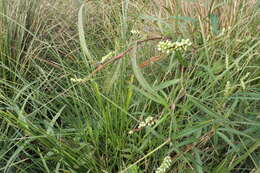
142 124
150 121
135 32
130 132
76 79
107 56
167 162
170 47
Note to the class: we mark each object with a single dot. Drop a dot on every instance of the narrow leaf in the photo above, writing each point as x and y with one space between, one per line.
82 39
166 84
180 58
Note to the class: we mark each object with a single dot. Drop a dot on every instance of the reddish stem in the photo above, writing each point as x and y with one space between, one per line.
121 55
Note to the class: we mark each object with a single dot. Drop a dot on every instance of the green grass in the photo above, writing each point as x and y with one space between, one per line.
204 102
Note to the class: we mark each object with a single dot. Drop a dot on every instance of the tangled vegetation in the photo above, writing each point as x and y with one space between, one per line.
129 86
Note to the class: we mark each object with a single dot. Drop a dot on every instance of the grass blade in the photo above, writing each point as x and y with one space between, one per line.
82 39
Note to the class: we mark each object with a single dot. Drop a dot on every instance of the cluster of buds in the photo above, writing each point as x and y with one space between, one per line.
77 79
135 32
242 81
228 89
149 121
107 56
167 162
170 47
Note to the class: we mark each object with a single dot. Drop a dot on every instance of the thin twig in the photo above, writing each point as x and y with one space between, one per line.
49 62
149 61
121 55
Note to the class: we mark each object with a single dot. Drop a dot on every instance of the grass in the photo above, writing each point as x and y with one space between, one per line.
61 110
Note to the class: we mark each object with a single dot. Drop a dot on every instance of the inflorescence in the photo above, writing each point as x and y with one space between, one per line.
170 47
149 121
107 56
167 162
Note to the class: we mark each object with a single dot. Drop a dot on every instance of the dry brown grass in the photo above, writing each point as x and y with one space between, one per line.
228 12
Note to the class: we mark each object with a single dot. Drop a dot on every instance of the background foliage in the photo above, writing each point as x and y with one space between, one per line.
205 113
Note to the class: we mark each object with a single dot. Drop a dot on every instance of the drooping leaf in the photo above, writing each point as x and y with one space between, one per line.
82 39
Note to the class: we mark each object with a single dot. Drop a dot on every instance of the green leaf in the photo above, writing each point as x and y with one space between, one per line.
43 161
82 39
134 169
180 58
254 147
233 131
139 76
53 121
113 77
214 23
205 109
227 140
159 100
189 130
151 93
198 165
184 18
15 154
166 84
